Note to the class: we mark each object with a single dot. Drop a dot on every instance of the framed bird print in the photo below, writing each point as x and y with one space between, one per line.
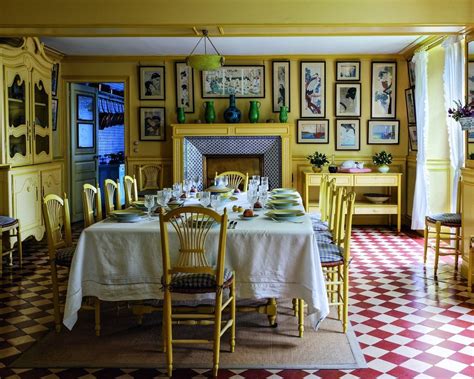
348 134
281 85
384 90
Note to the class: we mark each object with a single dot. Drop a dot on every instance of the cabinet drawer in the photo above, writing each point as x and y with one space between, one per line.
374 209
375 180
341 180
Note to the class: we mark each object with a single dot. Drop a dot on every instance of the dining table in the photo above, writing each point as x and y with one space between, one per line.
272 259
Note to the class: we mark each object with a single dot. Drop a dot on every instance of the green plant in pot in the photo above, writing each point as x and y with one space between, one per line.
318 160
382 160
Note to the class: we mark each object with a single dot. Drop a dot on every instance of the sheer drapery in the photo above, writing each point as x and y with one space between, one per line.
420 199
453 83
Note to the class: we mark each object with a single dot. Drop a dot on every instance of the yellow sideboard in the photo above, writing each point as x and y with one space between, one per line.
372 179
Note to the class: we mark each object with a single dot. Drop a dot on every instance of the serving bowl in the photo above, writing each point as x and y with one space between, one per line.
377 198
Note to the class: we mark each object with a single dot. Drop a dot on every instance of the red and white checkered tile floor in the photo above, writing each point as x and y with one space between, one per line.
408 324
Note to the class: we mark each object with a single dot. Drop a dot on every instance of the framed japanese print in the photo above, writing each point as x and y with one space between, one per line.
54 79
152 82
348 99
184 87
312 131
241 81
54 111
411 72
152 124
413 137
383 132
470 80
281 85
384 90
348 134
348 70
410 103
85 108
313 89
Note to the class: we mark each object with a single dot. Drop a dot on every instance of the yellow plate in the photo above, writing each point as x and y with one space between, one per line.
284 190
281 213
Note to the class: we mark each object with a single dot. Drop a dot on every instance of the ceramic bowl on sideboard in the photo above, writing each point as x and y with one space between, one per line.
377 198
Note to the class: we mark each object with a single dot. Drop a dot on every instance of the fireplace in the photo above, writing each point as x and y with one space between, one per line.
249 164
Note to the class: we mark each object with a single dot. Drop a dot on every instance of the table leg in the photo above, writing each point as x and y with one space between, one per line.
271 311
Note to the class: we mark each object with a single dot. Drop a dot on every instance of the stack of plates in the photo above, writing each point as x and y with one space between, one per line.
285 214
139 205
128 215
284 191
279 196
282 203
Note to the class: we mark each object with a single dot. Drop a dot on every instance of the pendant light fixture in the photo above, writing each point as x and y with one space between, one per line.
205 62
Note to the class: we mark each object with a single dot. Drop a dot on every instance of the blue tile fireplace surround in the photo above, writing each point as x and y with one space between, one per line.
195 149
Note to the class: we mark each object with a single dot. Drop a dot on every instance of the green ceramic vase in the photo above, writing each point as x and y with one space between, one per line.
209 112
254 111
180 115
283 117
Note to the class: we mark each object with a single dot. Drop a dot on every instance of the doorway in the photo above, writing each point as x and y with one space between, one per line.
97 138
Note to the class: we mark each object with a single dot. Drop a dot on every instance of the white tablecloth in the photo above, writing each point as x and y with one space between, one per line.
122 261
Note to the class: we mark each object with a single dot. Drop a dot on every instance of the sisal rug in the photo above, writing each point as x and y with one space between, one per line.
124 344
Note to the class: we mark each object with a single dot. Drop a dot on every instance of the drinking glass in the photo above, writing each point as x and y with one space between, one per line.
204 198
196 182
252 197
177 190
167 193
215 201
253 185
264 182
187 184
149 203
263 197
257 178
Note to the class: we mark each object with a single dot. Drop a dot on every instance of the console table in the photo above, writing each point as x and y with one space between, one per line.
362 206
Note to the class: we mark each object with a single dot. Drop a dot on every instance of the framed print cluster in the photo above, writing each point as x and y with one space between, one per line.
410 103
281 85
152 82
241 81
313 89
384 90
348 70
54 111
413 137
152 124
348 99
383 132
312 131
348 134
54 79
184 87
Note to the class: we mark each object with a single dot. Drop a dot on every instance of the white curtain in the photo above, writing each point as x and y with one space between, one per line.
453 82
420 200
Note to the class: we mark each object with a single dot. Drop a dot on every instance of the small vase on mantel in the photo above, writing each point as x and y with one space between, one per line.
254 111
181 117
283 116
384 168
209 112
232 113
316 169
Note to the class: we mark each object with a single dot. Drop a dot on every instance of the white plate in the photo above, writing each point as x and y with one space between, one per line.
283 190
282 196
284 213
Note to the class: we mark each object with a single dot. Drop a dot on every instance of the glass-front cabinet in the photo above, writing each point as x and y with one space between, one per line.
28 115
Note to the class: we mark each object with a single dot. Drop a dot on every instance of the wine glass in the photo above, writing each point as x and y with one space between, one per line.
177 190
253 185
149 202
204 198
252 197
167 193
263 197
187 184
264 183
215 201
196 182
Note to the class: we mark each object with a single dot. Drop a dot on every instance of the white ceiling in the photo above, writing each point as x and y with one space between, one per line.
153 46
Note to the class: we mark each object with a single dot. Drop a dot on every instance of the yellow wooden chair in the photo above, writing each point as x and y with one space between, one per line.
446 220
130 188
60 248
236 178
112 196
191 272
150 179
91 204
10 227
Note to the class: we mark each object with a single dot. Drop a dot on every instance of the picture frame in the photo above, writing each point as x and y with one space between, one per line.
383 132
470 82
54 79
54 114
384 90
312 131
152 123
85 108
411 72
280 85
313 89
347 101
85 135
413 137
184 75
243 81
410 104
470 136
348 134
348 71
152 81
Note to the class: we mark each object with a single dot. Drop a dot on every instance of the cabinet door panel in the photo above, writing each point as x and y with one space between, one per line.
51 182
26 202
41 115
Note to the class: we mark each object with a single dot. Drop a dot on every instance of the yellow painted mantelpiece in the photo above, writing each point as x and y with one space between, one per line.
181 131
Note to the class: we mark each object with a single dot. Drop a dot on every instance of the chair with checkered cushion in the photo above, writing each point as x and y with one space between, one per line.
10 227
91 204
60 248
433 230
186 269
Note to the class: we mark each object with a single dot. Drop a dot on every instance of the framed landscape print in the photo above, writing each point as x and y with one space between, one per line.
184 87
348 99
384 90
280 85
312 131
54 111
383 132
410 103
152 124
313 89
152 82
85 108
413 137
241 81
348 134
348 70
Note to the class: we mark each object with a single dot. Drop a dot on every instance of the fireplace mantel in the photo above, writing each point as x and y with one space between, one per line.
182 131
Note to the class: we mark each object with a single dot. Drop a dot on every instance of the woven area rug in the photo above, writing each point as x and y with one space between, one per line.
125 344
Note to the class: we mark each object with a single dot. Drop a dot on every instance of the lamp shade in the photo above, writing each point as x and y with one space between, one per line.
207 62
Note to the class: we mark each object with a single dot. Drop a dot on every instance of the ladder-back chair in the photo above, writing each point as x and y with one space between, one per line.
91 204
130 188
236 179
112 196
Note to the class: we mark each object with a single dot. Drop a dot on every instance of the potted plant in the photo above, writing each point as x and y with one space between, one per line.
318 160
464 114
382 160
